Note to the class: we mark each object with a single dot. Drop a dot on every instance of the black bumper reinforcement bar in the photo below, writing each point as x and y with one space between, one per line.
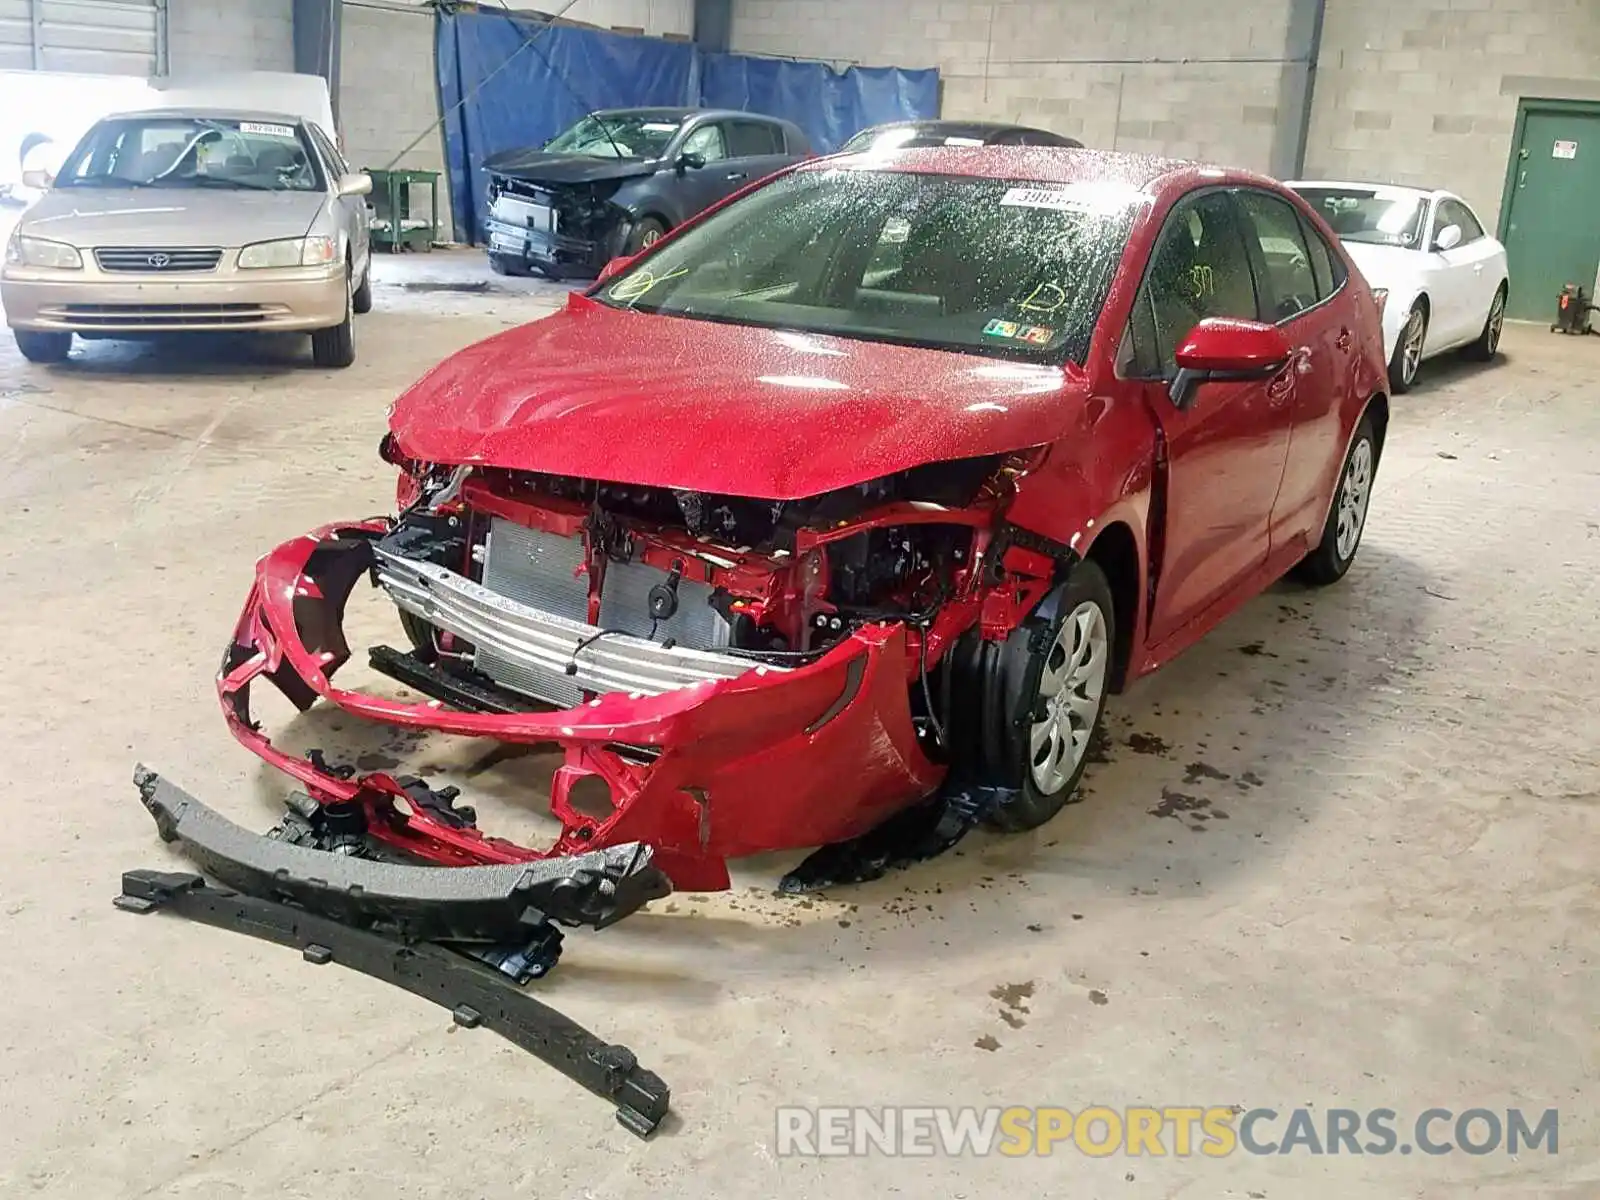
476 995
497 905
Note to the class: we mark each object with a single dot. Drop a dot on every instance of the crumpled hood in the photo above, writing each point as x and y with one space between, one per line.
536 166
632 397
169 216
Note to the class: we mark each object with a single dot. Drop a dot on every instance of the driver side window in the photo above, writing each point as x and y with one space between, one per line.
707 142
1200 269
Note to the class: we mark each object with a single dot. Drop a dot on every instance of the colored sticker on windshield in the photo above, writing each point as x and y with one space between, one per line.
277 131
1036 335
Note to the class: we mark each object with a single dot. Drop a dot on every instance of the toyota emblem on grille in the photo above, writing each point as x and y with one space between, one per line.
159 261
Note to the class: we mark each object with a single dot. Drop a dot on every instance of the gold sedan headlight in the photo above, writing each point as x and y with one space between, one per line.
38 252
290 252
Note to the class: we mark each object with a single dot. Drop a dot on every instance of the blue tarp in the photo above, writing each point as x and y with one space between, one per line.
831 106
532 90
521 93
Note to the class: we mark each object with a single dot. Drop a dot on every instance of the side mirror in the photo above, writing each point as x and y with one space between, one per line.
37 179
1226 349
1449 238
615 267
358 183
690 161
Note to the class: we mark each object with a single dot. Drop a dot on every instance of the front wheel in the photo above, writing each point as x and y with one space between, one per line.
361 299
1408 350
335 347
646 232
41 347
1347 517
1056 675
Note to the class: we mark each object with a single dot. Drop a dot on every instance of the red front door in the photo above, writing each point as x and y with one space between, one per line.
1226 450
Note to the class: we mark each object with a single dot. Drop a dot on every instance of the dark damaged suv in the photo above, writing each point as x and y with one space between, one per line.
618 179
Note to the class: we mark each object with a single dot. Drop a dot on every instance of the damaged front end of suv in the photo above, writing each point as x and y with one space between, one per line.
723 675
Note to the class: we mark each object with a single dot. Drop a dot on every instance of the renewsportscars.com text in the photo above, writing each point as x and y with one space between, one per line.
1173 1131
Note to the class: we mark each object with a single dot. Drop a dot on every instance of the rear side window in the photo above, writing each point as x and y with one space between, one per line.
1290 286
1326 264
753 139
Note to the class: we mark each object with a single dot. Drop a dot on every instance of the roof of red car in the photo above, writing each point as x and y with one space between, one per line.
1042 164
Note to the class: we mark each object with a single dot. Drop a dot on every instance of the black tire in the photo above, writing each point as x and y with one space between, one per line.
1402 368
646 232
1488 343
41 347
512 267
361 298
1022 662
336 347
1328 563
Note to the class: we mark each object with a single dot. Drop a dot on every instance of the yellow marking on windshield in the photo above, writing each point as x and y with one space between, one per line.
634 286
1046 298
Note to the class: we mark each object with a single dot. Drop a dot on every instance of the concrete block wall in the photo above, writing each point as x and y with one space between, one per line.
388 93
1164 76
658 18
242 35
1425 92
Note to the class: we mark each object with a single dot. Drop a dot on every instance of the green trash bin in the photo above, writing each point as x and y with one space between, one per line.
396 223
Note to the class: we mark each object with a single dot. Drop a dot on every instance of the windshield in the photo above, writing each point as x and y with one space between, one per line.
191 152
1380 216
1001 268
617 135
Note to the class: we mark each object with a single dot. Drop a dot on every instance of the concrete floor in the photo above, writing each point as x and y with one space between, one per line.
1399 909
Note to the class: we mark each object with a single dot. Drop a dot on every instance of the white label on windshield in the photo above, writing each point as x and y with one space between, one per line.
1040 198
277 131
658 128
1077 197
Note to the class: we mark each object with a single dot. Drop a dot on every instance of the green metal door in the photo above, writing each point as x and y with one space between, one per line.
1552 223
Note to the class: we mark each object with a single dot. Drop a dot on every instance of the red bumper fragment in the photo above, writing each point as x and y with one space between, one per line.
767 761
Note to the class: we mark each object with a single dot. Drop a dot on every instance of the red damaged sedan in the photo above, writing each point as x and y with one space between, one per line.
864 488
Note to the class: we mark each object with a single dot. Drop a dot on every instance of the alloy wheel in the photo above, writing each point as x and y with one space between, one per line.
1411 355
1071 688
1354 491
1497 321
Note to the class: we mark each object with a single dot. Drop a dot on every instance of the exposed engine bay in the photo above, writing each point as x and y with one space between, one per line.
714 583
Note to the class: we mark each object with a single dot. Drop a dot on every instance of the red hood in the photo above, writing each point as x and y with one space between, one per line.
632 397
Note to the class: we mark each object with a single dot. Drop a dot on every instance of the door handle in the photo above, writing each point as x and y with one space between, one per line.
1477 268
1343 340
1281 387
732 175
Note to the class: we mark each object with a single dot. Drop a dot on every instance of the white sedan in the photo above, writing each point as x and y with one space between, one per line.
1441 279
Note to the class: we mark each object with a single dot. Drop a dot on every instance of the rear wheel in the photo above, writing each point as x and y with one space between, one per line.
1347 518
1408 350
43 347
1056 674
1488 343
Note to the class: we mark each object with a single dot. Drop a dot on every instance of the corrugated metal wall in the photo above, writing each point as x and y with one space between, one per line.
97 37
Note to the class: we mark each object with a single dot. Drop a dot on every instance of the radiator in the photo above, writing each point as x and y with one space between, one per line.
541 570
